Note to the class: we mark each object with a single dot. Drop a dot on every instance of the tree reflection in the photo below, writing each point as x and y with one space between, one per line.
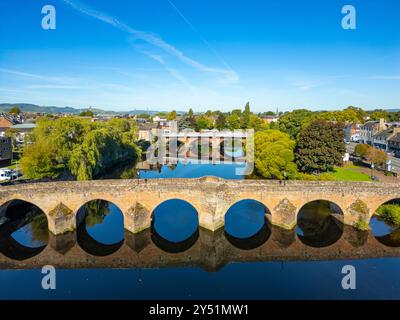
95 212
39 229
317 227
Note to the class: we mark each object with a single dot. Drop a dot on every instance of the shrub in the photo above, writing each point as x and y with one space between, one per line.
361 225
390 213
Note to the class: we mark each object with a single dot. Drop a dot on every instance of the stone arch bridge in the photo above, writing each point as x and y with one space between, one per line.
211 197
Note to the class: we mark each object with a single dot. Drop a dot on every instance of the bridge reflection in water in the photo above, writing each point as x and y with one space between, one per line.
205 249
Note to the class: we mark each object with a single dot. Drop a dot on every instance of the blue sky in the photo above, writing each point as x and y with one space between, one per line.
208 54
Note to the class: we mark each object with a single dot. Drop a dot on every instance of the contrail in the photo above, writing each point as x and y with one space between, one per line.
191 26
230 75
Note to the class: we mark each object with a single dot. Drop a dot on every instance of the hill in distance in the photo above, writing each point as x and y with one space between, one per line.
27 107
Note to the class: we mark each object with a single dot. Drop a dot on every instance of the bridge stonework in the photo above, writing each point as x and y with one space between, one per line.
211 197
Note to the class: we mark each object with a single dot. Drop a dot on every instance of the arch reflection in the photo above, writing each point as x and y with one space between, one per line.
385 223
252 242
23 230
319 224
100 228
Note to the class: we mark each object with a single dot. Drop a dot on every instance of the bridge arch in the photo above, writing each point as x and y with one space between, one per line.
24 233
9 200
253 213
309 200
175 223
100 227
377 204
319 223
385 224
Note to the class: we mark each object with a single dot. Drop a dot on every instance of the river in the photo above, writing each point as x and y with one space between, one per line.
248 259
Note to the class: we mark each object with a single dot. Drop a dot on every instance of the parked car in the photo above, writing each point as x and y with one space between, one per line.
5 175
9 174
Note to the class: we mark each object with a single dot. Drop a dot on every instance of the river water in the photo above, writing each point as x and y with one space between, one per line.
248 259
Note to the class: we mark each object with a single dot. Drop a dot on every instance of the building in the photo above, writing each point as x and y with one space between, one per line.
270 119
22 130
147 131
394 143
141 120
5 150
371 128
381 139
352 132
7 121
162 122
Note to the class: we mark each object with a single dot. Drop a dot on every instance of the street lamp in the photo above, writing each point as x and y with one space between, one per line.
372 170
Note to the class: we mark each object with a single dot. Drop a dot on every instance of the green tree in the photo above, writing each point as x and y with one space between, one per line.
320 147
361 114
273 155
233 121
143 116
15 110
379 114
361 150
186 123
220 122
269 113
348 115
292 122
78 146
246 116
203 122
86 113
190 113
38 161
376 156
172 115
257 123
394 116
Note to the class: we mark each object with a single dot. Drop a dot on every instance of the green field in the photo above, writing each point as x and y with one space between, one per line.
350 173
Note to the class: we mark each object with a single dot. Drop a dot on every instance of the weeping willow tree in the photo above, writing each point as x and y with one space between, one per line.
78 147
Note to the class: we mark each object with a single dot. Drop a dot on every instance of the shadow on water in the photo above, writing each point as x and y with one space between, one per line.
100 229
245 219
246 226
318 224
173 247
23 231
252 242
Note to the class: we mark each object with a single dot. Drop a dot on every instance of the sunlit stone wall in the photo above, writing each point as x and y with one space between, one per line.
211 197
